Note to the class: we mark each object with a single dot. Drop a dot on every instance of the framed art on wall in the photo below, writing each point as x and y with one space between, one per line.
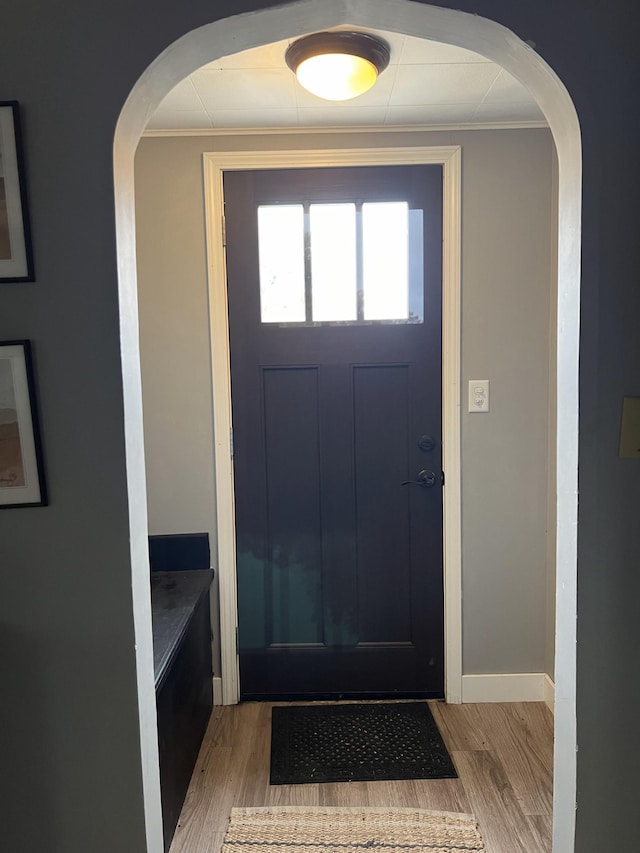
21 472
16 263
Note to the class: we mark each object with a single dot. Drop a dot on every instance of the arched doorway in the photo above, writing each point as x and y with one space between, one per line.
504 48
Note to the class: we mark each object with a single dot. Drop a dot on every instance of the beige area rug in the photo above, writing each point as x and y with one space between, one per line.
301 829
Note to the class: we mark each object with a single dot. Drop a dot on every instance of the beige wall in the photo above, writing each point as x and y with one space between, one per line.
507 256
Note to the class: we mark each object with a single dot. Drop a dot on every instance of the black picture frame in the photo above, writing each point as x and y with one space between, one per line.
16 255
22 482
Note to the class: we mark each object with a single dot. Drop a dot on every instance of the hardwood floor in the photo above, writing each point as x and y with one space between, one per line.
503 754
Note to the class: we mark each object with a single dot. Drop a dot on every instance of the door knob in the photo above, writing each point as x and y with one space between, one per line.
425 479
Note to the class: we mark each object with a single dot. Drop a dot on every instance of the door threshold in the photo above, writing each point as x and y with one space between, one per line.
339 697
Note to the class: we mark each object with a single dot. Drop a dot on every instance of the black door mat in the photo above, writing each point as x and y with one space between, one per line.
357 743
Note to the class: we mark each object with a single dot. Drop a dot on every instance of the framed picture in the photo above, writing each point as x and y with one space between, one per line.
16 263
21 473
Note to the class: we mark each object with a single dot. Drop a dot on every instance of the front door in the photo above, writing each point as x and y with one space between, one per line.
334 281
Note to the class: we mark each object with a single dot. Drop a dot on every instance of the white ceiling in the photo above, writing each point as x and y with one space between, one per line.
427 83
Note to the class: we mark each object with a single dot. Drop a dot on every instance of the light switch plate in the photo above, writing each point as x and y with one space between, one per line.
478 395
630 429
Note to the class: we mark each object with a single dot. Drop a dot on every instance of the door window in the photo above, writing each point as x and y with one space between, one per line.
351 263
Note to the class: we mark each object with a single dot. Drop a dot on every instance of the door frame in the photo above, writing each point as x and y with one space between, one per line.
214 164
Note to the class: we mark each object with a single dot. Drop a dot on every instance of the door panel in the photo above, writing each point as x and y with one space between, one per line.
380 402
293 504
339 564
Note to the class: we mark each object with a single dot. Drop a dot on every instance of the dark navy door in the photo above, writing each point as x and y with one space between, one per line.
334 281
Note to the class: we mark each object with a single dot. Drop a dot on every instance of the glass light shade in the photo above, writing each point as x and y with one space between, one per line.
337 76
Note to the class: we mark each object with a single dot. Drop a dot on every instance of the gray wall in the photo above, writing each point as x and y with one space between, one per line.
507 226
71 759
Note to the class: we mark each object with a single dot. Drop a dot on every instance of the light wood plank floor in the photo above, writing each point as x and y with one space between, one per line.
503 754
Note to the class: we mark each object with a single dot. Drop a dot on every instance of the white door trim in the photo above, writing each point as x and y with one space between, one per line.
214 166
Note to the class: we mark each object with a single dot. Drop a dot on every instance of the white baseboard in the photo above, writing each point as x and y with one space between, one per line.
508 687
550 693
217 690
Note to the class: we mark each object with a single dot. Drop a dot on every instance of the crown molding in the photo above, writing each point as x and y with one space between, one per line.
298 131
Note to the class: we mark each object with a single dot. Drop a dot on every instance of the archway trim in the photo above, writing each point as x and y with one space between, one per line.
450 26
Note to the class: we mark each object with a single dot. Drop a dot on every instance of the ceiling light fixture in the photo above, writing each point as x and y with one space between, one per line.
338 65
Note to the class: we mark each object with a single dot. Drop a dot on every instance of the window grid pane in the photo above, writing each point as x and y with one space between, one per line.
385 227
281 263
333 262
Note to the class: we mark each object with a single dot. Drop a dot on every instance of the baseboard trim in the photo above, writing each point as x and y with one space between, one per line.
217 690
550 693
508 687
